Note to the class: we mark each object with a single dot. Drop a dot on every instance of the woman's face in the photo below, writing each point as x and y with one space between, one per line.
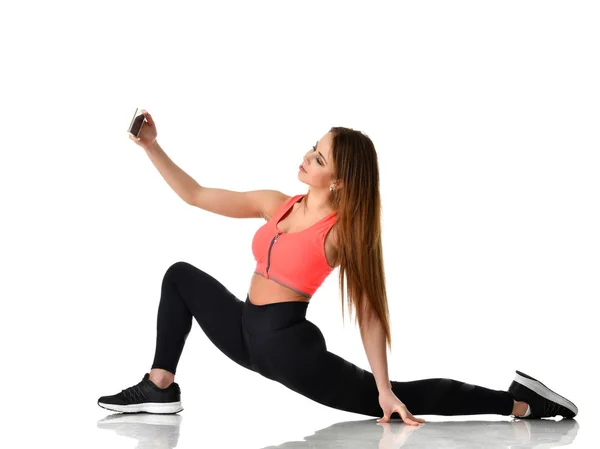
318 164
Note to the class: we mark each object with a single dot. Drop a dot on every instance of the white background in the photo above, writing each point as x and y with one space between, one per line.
485 120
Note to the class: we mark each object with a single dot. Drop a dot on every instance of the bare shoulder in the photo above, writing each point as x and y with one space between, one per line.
273 200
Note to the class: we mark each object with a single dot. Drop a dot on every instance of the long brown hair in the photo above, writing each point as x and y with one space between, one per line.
358 207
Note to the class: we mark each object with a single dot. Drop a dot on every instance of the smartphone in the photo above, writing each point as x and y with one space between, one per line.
135 127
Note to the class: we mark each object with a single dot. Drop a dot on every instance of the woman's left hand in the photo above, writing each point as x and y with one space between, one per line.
390 403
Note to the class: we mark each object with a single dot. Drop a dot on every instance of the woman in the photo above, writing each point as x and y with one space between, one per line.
337 223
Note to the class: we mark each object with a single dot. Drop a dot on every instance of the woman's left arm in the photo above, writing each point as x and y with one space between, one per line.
373 338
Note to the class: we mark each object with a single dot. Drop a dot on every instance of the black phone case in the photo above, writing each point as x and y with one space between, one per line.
136 123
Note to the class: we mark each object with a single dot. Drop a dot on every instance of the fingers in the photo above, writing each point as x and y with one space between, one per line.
410 415
406 416
148 117
410 419
414 419
406 419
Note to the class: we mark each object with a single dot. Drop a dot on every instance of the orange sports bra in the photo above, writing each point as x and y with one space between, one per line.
296 260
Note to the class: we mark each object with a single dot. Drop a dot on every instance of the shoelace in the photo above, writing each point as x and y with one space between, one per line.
134 394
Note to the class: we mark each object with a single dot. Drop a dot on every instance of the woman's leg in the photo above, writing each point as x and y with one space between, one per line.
188 292
297 357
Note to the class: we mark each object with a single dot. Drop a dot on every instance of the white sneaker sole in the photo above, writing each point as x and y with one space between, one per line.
148 407
545 392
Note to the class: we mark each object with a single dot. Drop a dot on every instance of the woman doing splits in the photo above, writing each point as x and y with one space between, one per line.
335 224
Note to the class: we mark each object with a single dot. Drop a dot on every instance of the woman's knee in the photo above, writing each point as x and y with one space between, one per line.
180 267
175 273
185 274
177 266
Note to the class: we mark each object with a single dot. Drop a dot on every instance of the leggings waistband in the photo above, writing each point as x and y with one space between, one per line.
269 317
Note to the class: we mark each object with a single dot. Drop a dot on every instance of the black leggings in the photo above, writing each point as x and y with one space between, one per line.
279 343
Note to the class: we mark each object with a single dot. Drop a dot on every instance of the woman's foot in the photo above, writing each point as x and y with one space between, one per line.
145 396
544 402
161 377
519 408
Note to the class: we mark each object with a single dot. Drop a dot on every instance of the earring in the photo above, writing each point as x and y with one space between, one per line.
331 189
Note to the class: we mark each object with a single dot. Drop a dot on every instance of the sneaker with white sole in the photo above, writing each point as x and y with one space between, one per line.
144 397
543 402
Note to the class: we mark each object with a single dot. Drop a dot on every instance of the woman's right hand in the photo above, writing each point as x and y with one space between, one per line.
147 132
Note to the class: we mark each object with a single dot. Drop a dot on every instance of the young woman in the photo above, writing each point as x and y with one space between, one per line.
335 224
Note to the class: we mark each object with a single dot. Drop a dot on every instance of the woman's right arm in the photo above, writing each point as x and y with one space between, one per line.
252 204
183 184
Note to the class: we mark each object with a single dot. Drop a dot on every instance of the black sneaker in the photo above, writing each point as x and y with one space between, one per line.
543 402
144 397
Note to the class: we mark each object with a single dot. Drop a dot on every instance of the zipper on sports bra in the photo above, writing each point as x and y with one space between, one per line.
269 256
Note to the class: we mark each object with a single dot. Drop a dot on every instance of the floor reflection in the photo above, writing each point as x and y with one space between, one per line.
367 434
162 432
152 431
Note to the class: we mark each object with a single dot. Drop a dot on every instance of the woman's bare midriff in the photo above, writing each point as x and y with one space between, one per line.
265 291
